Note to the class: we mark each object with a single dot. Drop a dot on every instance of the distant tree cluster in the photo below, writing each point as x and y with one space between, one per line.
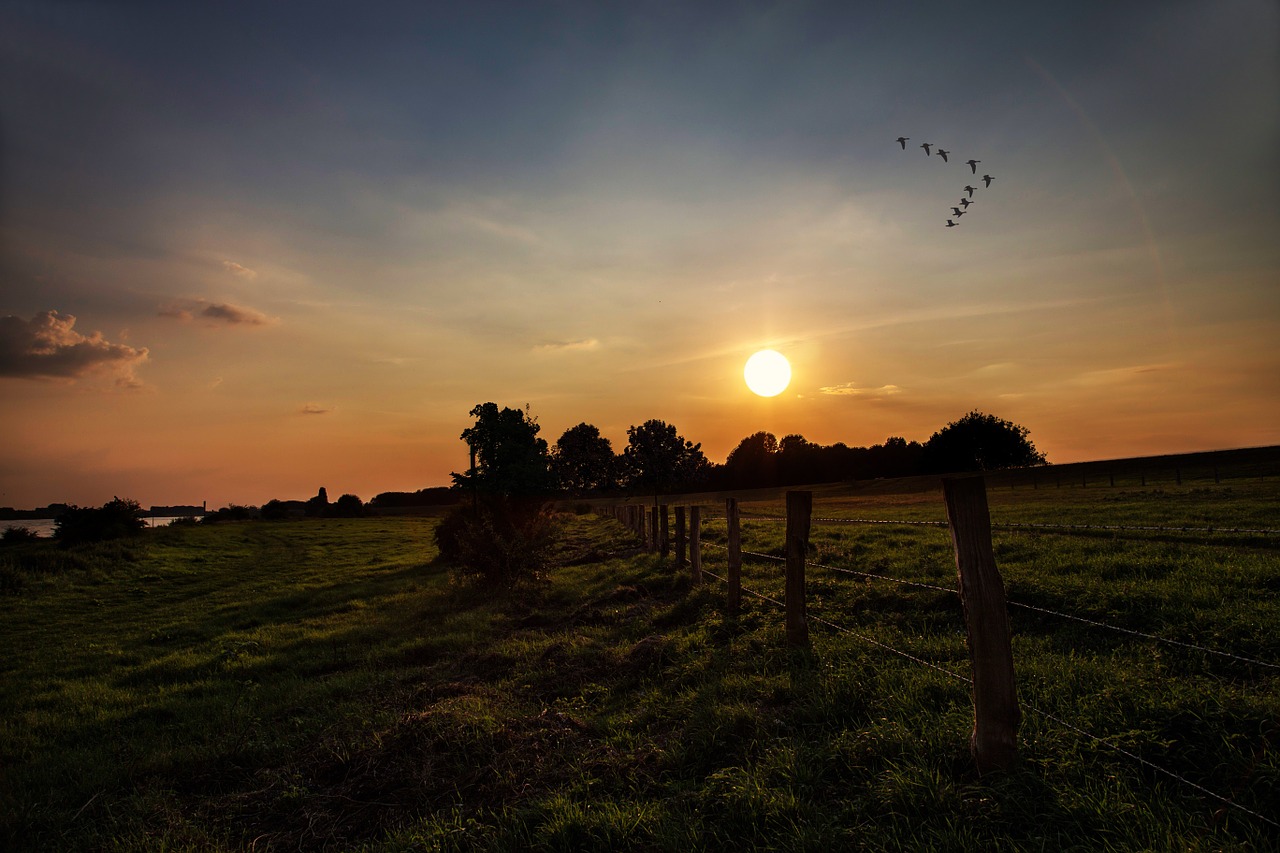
118 518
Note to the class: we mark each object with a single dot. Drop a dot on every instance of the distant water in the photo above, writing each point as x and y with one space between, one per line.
44 526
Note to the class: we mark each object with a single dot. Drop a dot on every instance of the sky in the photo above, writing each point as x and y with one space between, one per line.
252 249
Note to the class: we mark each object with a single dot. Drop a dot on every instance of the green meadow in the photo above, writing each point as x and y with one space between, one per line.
328 685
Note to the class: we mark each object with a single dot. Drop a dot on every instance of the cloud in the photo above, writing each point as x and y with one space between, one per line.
316 409
234 314
216 313
49 347
851 389
1122 375
568 346
239 271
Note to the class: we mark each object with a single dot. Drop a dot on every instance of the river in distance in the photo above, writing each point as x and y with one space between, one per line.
45 526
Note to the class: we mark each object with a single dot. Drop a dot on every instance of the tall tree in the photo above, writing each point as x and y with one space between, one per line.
507 457
658 459
753 462
980 442
582 459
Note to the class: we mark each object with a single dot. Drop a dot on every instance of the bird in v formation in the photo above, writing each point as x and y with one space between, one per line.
968 188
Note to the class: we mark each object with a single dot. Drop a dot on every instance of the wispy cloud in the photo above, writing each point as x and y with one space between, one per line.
1120 375
216 313
853 389
568 346
239 271
316 409
48 347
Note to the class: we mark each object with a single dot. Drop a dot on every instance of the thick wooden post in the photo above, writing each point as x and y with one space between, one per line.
733 529
996 715
679 536
799 511
653 528
664 537
695 542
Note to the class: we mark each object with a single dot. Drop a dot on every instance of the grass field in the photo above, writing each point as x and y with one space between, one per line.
323 685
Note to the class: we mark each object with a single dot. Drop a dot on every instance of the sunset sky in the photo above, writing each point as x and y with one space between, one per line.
252 249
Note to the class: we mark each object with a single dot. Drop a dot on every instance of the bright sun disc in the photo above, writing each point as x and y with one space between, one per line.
767 373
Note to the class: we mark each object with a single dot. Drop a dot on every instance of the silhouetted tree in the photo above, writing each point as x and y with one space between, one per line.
275 510
348 506
507 456
980 442
582 460
658 459
115 519
753 462
505 534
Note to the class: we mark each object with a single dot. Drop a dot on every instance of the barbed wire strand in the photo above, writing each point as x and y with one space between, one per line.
1014 525
1131 631
884 578
1145 762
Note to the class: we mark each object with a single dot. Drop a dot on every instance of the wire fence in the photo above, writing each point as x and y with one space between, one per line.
1092 623
844 630
1132 528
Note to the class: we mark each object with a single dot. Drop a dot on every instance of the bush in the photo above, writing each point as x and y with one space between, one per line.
500 542
230 512
116 519
18 535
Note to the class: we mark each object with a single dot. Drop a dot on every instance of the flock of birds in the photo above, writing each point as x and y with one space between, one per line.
962 206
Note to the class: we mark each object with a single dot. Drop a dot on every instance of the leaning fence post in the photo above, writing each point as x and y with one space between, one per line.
695 542
799 510
994 742
733 532
664 539
679 536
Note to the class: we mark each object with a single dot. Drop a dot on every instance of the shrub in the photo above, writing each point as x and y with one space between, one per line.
499 542
116 519
230 512
18 535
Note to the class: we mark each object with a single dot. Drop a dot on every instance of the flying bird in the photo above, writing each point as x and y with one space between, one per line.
957 211
973 164
969 190
902 140
950 224
987 179
966 203
925 146
943 155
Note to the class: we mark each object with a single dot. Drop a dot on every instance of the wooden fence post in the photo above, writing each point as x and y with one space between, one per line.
799 511
733 531
664 538
679 536
695 542
996 715
653 529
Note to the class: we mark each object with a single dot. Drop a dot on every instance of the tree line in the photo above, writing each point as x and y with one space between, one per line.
508 457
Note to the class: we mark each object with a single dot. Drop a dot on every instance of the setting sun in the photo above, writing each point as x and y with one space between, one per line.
767 373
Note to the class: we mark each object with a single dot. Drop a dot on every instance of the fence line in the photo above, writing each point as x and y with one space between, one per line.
1045 610
1018 525
1021 704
